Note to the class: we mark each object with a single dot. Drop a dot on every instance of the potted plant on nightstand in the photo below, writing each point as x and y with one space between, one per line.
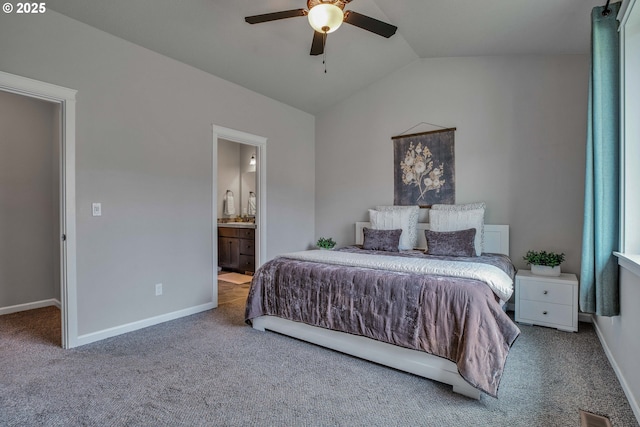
325 243
544 263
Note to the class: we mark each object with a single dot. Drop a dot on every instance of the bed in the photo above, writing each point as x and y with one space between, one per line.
342 301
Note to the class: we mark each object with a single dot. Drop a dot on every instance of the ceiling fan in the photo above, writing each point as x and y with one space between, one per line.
325 16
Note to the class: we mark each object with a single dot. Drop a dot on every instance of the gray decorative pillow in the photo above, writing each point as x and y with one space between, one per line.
451 243
381 240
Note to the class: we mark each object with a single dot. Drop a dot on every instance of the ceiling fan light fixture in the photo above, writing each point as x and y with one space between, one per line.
325 17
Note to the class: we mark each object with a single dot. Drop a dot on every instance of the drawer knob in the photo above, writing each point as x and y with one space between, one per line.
545 292
544 312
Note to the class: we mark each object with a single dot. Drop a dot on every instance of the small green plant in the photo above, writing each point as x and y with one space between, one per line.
325 243
550 259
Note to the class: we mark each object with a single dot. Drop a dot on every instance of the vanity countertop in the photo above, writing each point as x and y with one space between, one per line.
237 224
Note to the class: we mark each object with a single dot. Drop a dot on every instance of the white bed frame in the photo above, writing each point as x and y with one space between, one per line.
404 359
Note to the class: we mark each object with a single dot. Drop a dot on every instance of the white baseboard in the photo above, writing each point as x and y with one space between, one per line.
635 406
29 306
140 324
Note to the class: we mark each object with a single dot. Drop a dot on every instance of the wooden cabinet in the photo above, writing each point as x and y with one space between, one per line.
236 249
247 254
228 252
547 301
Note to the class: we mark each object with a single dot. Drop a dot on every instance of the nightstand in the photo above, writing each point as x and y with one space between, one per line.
547 301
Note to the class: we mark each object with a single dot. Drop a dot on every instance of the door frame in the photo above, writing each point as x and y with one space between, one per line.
260 143
66 98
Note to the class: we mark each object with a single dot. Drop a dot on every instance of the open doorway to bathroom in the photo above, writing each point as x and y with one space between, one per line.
239 211
236 219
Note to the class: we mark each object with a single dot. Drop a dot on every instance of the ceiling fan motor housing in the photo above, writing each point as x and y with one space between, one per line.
340 3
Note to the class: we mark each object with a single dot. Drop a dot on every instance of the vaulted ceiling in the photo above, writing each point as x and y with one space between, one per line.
273 58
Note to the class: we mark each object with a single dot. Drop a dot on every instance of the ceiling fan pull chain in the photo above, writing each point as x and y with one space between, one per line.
324 50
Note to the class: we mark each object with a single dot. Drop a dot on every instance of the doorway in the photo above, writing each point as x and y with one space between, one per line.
29 199
63 101
257 144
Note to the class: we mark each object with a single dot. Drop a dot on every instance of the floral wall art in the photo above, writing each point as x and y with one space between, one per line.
424 168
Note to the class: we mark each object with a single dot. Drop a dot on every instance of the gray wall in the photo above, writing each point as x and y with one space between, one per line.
228 174
247 175
144 150
620 333
519 145
28 195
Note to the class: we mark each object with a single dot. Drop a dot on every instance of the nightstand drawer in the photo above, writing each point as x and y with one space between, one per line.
546 292
546 313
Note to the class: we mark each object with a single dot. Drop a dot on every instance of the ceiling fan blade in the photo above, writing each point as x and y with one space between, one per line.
370 24
256 19
317 45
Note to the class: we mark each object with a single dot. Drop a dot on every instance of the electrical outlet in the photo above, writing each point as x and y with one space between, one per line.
158 289
96 209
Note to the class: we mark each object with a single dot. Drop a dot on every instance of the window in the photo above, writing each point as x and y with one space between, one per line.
630 127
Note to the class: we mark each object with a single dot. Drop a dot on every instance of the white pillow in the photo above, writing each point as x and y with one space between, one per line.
461 207
414 211
393 220
464 207
455 220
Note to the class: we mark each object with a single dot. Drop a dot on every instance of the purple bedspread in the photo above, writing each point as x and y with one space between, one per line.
458 319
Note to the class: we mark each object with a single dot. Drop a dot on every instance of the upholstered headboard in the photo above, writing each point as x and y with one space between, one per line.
496 237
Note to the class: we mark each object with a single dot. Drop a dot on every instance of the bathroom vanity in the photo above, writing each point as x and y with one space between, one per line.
236 247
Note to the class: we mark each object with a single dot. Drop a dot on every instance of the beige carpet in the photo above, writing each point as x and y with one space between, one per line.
236 278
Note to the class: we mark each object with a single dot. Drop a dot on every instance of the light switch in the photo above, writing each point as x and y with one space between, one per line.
96 209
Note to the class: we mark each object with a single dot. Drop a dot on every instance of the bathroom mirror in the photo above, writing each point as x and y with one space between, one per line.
237 174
